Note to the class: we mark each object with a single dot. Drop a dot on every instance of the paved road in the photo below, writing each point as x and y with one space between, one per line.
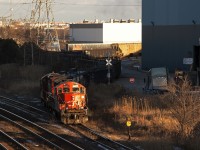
129 71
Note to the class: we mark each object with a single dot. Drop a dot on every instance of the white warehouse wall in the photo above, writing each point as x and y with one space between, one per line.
122 33
170 12
106 33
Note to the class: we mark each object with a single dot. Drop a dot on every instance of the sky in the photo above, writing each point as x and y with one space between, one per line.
76 10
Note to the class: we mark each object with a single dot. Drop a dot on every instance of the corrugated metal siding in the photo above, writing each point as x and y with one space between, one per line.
170 12
168 45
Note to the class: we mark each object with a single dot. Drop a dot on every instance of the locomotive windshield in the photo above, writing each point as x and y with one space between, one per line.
65 89
59 90
75 89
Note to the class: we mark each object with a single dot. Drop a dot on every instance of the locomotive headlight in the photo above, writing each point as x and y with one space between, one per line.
82 96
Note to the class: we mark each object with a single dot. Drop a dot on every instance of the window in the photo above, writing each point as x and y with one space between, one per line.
82 90
65 89
59 90
75 89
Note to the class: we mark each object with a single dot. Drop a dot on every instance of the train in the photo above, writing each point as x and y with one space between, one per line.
65 98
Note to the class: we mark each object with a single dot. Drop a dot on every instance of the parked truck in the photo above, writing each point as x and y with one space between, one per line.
157 80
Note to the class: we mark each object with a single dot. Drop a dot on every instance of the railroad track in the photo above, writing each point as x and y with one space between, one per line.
48 136
103 141
31 139
30 110
12 143
35 112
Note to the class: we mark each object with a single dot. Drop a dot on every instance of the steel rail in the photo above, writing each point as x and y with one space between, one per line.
27 111
19 145
105 138
33 133
41 111
43 129
102 145
82 126
2 147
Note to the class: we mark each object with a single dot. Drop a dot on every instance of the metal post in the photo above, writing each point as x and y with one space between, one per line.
128 124
129 133
198 69
108 64
108 74
24 56
32 56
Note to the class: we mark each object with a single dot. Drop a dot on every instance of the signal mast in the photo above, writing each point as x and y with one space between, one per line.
41 19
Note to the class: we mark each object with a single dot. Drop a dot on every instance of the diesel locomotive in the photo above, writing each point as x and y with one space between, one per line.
65 98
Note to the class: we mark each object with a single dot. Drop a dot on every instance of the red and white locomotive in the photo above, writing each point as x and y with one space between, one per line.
64 97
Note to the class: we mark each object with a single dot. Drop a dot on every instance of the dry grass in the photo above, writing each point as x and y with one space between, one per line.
153 123
110 110
102 95
21 79
144 114
173 116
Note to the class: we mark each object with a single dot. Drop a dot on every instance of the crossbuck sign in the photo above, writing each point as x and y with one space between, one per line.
108 62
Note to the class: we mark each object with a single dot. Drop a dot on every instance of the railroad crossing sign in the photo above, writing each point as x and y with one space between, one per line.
108 62
132 80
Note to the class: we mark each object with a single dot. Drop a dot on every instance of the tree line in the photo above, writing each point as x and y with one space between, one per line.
11 52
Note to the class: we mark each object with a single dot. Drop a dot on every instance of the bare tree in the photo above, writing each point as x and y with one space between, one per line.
184 105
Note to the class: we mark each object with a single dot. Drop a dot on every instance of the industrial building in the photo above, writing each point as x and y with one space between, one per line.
170 31
112 35
106 33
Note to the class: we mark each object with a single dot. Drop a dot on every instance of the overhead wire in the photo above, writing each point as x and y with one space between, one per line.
20 3
14 7
81 4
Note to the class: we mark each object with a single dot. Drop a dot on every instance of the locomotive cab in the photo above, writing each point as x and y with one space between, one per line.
72 94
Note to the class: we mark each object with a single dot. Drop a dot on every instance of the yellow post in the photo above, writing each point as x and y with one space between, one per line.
128 124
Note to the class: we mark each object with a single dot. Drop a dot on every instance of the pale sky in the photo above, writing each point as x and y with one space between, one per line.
77 10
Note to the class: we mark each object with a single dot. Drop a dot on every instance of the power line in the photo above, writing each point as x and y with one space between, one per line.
15 8
79 4
97 4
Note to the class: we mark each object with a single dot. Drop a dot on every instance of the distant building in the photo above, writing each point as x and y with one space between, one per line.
170 29
122 37
106 33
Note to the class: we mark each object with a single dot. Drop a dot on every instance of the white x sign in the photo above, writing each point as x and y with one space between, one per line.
108 62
